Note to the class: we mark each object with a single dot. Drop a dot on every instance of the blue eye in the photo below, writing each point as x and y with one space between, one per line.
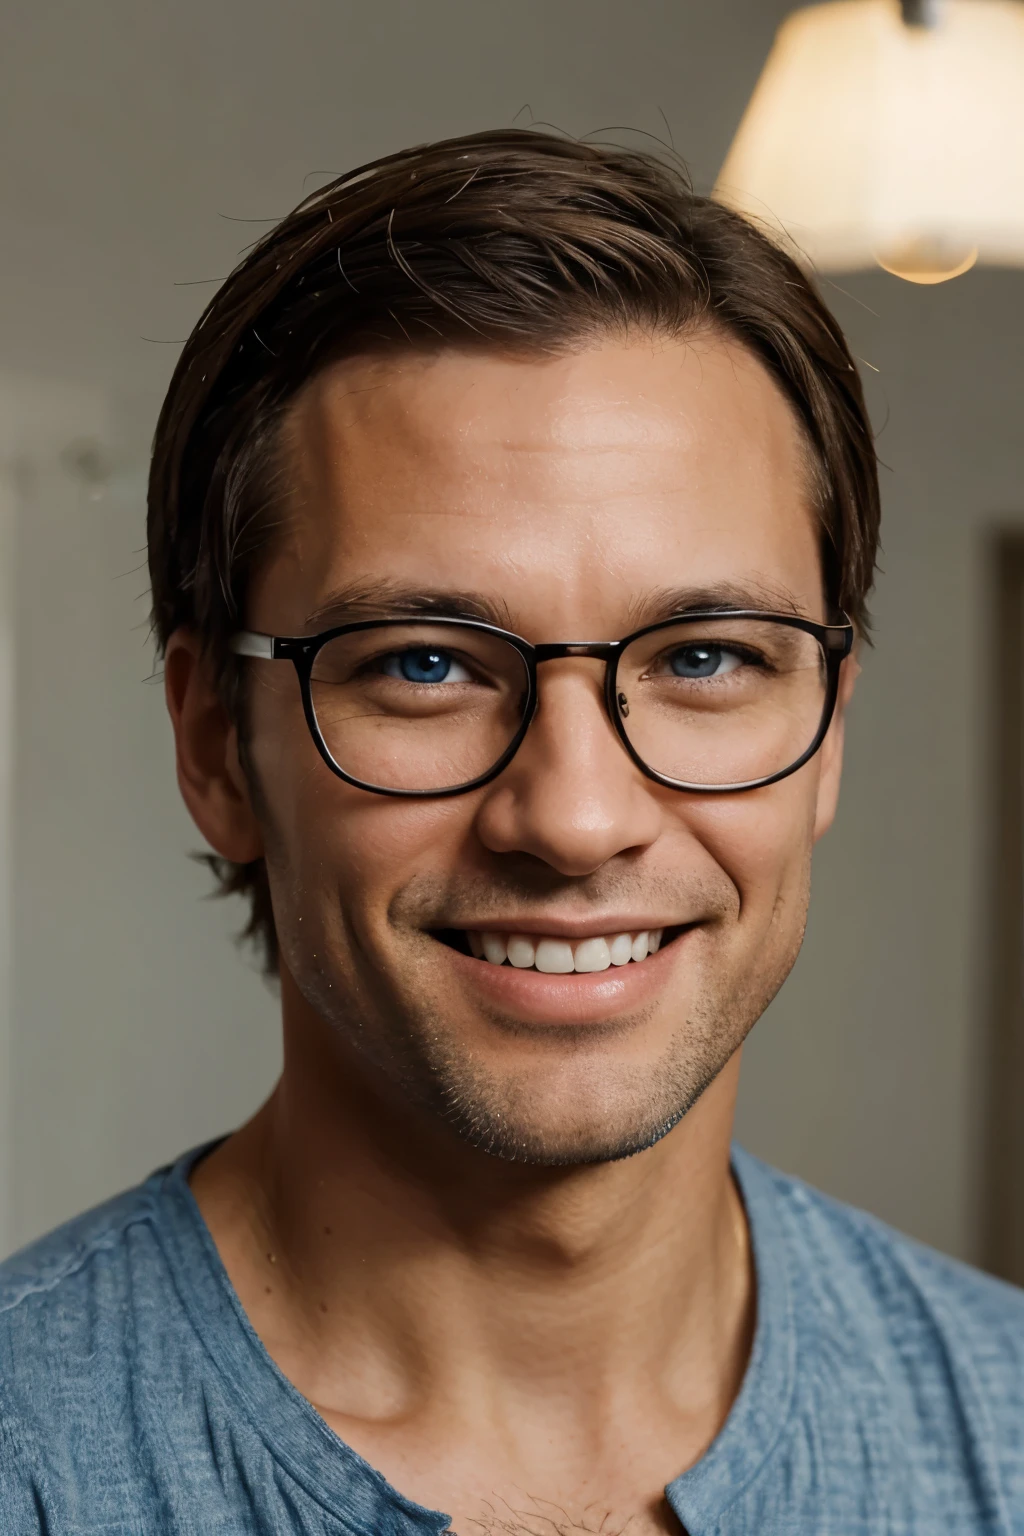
424 665
703 661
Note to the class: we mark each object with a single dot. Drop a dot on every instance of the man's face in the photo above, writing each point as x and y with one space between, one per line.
568 496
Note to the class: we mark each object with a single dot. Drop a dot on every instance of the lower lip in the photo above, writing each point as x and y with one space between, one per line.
591 997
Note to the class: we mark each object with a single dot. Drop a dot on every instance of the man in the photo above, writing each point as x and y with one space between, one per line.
513 515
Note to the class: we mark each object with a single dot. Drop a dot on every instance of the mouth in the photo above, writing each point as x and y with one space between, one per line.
554 955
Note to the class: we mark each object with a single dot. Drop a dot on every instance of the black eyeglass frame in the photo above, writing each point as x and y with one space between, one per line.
836 641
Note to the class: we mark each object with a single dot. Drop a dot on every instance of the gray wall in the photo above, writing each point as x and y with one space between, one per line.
134 135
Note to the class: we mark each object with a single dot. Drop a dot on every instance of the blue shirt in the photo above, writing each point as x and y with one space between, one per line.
884 1394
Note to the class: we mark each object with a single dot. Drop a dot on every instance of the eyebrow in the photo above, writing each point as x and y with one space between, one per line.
387 599
757 593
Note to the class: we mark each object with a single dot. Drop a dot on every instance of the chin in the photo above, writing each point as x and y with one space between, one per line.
540 1147
602 1121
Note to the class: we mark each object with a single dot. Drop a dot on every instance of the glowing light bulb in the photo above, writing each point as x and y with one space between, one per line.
927 262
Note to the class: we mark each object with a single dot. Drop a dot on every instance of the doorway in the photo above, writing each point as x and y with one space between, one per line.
1003 1237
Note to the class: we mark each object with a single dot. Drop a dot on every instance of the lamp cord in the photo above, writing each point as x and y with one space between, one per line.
920 13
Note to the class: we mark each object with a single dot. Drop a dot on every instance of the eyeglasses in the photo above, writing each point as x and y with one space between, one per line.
710 702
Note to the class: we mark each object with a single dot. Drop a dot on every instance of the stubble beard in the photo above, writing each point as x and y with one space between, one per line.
628 1111
613 1111
618 1111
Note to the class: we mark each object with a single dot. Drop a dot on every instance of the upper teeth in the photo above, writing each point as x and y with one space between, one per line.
558 955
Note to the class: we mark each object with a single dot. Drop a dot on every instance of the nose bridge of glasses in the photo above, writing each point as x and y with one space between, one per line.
599 650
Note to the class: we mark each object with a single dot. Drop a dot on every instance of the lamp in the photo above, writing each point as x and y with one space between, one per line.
889 133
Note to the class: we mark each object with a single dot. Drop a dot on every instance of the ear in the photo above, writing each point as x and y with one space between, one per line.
210 774
831 770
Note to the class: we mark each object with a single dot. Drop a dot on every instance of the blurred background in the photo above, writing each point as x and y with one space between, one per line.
143 145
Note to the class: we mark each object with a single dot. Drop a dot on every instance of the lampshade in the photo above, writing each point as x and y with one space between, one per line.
870 140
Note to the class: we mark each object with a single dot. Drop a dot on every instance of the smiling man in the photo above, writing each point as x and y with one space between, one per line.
512 519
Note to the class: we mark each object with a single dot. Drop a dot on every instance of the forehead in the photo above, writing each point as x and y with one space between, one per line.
566 488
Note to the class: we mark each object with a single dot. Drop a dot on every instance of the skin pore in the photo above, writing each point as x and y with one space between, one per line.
429 1223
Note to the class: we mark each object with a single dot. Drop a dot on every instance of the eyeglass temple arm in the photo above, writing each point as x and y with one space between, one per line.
248 643
840 637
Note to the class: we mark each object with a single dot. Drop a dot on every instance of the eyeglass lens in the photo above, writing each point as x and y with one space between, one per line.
723 701
417 707
704 702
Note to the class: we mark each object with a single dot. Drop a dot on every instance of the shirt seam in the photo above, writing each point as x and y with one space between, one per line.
786 1415
107 1243
781 1253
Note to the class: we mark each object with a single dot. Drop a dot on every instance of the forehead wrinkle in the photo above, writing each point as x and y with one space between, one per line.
575 418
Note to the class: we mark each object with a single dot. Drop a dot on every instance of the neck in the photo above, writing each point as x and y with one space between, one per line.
383 1260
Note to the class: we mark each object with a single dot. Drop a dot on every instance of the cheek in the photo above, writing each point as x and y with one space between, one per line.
329 843
762 840
376 845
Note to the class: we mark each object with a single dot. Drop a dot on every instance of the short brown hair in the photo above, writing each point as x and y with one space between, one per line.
512 239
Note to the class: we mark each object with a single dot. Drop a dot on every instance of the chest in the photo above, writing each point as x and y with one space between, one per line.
522 1514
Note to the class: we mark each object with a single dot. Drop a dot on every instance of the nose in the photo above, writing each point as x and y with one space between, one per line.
571 796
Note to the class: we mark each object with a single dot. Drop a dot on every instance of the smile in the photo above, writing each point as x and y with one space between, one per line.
561 954
566 978
559 957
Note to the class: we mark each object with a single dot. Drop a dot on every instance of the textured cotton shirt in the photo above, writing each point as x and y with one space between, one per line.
884 1393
